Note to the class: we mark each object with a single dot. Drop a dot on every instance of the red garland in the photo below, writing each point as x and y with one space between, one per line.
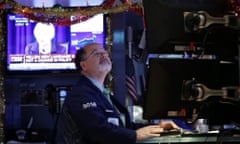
62 22
107 3
67 21
233 5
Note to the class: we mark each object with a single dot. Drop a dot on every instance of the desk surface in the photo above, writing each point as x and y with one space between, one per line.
199 139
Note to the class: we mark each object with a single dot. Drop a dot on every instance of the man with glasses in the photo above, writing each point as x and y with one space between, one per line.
89 117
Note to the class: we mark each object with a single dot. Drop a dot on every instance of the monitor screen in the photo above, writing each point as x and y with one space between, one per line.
34 46
62 92
165 28
165 81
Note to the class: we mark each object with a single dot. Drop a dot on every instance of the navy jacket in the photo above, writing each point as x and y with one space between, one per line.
88 118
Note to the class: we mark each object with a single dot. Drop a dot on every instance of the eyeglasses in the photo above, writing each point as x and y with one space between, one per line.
97 54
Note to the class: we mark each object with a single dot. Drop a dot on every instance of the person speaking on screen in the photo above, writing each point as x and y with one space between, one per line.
91 115
44 34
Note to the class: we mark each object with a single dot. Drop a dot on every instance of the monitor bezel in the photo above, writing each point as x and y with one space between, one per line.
25 72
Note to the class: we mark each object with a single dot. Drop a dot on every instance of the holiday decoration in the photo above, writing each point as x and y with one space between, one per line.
59 15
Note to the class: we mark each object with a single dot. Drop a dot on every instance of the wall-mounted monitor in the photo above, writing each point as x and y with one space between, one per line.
43 47
165 81
166 34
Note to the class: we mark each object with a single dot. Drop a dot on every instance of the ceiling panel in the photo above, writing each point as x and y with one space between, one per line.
64 3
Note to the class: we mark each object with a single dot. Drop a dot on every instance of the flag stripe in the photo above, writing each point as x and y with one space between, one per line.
131 87
131 80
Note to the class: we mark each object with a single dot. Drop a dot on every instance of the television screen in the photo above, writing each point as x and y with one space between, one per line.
35 46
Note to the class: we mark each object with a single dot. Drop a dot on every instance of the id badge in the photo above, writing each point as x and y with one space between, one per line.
113 120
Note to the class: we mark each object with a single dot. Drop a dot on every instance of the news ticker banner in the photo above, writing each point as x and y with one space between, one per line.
48 58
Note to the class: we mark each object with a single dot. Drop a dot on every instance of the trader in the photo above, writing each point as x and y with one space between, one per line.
88 117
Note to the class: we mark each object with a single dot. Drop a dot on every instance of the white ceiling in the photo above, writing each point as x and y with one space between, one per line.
68 3
64 3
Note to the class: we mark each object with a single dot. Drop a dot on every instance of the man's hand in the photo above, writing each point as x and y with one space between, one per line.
148 131
166 125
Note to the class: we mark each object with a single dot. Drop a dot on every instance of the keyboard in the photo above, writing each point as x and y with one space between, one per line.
171 132
196 134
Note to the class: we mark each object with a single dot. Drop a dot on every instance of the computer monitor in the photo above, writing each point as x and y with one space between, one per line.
34 47
165 28
165 78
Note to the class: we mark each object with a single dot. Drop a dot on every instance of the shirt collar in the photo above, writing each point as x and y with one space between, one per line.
96 83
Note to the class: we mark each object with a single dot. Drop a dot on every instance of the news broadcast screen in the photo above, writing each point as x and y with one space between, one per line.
36 46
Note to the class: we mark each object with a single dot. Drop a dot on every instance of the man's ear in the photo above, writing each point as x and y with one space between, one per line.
82 65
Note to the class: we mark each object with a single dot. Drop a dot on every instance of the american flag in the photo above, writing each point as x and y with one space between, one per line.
131 80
